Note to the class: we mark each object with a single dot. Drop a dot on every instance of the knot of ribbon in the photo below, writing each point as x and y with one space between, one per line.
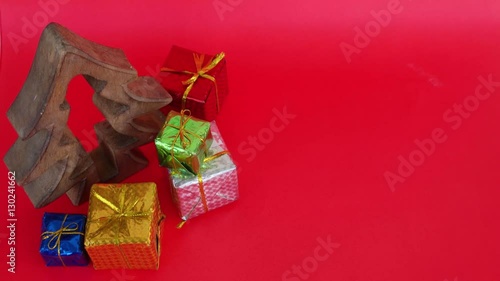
201 71
55 236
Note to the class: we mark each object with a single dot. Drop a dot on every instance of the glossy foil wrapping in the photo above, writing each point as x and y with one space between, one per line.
123 227
202 100
186 152
220 182
70 250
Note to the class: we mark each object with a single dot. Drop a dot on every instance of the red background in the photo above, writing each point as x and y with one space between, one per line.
323 175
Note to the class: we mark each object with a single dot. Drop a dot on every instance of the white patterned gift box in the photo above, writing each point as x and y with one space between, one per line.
215 186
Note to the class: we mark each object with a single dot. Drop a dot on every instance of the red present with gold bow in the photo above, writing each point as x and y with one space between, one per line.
197 82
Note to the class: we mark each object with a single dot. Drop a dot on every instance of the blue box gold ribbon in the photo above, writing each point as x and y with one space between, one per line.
62 240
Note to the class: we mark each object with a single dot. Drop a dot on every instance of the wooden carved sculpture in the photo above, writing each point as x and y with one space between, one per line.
47 158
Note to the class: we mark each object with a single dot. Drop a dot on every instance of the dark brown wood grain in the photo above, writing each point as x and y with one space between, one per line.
48 159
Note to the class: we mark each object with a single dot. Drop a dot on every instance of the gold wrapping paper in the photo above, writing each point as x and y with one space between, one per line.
123 226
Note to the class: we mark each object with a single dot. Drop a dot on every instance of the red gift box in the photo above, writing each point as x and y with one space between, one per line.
203 77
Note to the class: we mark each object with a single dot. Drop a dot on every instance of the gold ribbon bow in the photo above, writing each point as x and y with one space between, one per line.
122 211
202 188
55 236
201 71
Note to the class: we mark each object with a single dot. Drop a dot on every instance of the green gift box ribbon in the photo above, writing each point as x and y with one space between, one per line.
183 142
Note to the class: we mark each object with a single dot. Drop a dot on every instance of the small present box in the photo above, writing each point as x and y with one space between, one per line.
215 186
197 82
123 227
183 142
62 240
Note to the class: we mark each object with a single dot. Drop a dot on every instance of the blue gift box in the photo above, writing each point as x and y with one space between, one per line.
62 240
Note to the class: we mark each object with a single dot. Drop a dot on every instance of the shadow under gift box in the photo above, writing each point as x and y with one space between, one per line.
62 240
218 181
123 226
206 97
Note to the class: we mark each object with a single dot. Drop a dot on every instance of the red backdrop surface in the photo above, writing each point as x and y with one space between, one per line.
367 93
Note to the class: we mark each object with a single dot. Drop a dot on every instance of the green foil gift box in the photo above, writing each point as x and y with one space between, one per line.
183 142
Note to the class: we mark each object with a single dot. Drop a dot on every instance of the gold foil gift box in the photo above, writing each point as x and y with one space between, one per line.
123 226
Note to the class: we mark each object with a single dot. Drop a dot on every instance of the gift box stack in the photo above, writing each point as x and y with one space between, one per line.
190 145
123 226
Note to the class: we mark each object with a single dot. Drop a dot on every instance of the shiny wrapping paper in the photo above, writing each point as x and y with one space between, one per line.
183 142
123 226
220 182
202 99
62 240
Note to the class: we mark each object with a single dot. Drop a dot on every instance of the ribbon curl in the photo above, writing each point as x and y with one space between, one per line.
200 72
55 236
